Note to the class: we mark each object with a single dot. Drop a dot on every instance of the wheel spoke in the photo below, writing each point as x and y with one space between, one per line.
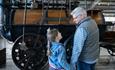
31 53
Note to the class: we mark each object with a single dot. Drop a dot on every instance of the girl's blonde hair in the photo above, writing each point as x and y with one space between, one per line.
51 34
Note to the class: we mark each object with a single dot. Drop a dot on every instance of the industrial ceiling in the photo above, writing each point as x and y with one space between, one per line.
107 6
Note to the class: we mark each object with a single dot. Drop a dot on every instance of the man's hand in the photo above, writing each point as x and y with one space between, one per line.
73 67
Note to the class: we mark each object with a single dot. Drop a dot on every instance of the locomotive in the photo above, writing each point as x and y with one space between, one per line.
25 22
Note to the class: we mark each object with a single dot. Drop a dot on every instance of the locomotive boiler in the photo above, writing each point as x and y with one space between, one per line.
25 22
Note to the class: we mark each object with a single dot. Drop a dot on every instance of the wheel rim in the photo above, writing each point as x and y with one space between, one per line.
68 46
34 57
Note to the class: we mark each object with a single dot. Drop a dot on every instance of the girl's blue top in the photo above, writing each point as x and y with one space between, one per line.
57 58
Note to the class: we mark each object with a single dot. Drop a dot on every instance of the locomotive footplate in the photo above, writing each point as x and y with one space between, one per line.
109 46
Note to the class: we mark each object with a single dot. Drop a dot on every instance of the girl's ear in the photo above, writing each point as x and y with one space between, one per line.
57 38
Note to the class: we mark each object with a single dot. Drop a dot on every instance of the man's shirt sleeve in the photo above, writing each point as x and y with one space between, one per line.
62 58
79 39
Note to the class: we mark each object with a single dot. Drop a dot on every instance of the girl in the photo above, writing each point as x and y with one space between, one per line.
56 52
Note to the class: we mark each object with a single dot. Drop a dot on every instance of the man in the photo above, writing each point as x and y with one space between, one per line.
86 41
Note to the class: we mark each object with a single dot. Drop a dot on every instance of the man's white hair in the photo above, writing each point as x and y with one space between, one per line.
79 11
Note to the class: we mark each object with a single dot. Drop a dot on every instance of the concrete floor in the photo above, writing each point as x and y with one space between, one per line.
106 62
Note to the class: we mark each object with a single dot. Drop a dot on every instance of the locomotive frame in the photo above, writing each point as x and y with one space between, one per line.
30 41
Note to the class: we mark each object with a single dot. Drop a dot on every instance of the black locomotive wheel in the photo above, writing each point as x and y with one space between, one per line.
68 45
29 52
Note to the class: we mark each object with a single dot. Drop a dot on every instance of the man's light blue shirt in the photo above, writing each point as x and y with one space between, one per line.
79 39
86 42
